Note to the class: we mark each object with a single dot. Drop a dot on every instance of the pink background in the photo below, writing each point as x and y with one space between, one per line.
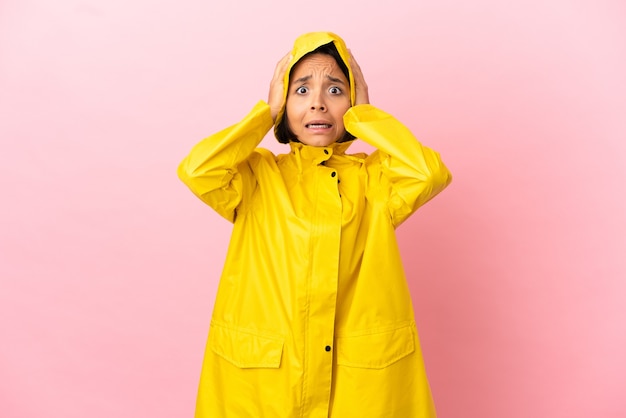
108 265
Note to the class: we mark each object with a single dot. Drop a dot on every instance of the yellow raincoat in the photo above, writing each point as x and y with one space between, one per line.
313 316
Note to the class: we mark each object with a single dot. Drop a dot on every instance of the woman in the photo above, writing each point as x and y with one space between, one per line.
313 317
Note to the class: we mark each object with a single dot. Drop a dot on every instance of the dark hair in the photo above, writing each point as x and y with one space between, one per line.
283 133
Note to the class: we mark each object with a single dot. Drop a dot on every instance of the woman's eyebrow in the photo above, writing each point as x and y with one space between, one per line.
308 77
335 80
303 79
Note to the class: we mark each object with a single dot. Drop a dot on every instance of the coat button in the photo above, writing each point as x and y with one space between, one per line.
333 174
327 348
326 151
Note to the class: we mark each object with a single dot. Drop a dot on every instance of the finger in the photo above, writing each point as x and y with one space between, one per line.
282 65
356 69
362 95
276 94
353 60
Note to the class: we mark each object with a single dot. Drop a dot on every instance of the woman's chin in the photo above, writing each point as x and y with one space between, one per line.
318 140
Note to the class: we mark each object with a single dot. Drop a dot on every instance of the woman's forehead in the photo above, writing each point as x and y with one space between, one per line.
317 64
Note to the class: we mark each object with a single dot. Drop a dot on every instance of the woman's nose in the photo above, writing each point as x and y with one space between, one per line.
317 102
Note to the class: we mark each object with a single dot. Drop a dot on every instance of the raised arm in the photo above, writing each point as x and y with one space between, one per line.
404 172
217 169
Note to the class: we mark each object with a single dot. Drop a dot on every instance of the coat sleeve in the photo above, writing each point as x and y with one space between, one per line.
217 169
404 172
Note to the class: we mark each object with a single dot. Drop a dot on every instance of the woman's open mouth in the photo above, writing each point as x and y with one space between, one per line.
318 124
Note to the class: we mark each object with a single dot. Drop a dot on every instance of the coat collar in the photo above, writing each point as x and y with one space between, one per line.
311 154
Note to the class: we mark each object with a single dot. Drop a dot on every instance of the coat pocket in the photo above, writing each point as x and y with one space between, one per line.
375 350
244 348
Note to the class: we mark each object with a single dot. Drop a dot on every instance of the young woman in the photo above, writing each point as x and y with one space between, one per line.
313 316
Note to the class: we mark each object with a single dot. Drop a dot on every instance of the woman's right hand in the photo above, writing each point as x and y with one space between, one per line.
277 89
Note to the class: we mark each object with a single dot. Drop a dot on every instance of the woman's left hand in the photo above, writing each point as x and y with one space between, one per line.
360 86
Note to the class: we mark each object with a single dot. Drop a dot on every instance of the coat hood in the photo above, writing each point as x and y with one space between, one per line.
307 43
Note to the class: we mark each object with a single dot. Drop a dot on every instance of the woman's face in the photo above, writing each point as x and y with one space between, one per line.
318 97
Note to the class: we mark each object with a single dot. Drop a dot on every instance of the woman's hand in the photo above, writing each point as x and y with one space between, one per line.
277 89
360 86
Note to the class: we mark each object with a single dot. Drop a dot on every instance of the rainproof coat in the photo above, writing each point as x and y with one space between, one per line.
313 316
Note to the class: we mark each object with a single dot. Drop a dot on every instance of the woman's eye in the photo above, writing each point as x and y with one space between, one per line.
334 90
301 90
